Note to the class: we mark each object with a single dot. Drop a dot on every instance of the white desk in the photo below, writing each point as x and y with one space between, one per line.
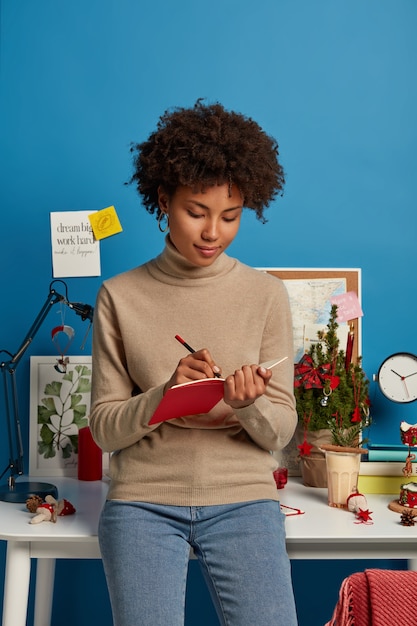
321 533
74 536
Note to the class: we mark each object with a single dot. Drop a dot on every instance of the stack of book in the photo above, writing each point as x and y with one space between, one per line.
389 452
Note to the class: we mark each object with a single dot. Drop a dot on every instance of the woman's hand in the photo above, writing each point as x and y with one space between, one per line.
246 385
195 366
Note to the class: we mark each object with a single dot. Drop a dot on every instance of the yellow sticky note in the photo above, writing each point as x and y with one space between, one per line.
105 223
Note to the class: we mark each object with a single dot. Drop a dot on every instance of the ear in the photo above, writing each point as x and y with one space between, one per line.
163 200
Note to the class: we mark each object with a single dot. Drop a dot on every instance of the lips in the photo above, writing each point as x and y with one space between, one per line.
206 251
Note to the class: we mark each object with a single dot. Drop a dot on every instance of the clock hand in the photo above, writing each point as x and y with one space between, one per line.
403 377
403 380
394 372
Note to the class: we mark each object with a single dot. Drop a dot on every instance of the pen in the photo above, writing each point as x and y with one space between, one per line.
270 364
190 349
266 365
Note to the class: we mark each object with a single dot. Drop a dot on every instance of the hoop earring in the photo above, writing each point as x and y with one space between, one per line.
163 215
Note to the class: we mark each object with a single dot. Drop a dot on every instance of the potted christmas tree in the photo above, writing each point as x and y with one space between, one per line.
343 456
331 392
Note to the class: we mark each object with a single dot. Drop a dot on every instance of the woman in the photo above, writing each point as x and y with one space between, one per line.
201 481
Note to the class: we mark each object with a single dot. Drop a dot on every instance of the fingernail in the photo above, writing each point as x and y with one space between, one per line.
216 369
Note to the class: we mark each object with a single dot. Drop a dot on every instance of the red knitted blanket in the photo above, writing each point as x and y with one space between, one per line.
376 597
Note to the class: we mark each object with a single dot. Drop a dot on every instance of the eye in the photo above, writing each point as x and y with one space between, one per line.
194 215
231 216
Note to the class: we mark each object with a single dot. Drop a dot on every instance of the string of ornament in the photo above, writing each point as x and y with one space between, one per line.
58 334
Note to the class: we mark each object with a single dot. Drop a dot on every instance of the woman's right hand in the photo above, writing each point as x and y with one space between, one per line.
195 366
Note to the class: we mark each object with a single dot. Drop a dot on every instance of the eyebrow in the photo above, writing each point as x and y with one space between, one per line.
203 206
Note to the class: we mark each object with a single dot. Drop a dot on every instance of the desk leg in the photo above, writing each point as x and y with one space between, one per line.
16 584
45 574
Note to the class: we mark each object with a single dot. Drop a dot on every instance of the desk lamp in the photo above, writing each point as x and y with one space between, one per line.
15 491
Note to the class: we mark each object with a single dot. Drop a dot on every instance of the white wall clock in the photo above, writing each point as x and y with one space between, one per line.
397 377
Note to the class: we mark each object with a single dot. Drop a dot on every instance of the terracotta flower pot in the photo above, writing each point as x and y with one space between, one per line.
313 466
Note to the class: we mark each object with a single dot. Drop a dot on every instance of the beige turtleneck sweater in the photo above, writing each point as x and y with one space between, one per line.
242 316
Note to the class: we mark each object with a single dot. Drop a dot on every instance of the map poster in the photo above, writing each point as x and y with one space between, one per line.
310 292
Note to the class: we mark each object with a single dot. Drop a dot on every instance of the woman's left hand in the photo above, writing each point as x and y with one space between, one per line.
246 385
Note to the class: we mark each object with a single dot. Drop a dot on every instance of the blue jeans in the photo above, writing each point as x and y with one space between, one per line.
240 548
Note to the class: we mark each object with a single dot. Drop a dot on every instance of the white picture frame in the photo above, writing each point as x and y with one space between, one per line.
60 398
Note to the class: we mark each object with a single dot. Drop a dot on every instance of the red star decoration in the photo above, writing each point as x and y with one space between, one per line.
364 516
305 448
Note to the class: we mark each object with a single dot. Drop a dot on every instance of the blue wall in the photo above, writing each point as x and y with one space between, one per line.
334 81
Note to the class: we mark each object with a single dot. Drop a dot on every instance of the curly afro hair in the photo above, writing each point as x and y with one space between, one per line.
204 146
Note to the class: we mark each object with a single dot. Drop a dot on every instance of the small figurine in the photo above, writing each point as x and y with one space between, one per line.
48 510
408 490
356 503
408 433
408 467
408 495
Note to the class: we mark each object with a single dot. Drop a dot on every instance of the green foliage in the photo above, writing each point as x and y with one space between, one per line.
62 413
345 402
346 437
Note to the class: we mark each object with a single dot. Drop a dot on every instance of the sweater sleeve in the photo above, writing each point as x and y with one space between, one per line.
271 420
120 411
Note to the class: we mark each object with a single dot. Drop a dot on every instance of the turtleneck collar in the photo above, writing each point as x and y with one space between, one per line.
171 267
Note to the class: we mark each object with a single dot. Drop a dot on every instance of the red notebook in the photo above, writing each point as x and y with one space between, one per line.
196 396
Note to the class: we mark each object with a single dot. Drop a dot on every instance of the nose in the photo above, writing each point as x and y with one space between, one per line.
210 231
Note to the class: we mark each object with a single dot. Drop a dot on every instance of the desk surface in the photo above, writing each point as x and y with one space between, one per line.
327 532
322 532
87 498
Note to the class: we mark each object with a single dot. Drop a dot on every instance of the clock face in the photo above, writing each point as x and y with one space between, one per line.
397 377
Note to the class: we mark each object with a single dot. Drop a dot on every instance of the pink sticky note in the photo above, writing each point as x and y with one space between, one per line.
348 307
